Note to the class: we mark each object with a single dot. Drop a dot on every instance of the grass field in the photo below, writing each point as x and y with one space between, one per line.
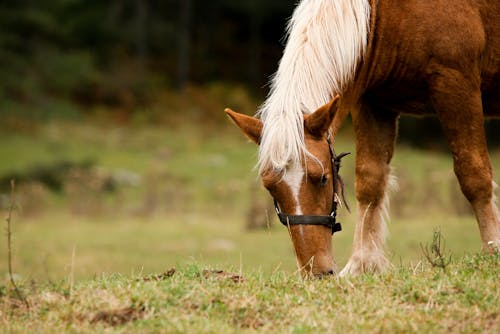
191 299
181 199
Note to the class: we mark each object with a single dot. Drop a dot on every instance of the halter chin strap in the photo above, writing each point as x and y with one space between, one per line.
329 221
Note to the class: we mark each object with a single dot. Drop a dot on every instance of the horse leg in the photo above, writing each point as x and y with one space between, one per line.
375 138
457 100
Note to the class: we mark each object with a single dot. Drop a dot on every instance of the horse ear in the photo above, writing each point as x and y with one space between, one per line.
319 121
251 126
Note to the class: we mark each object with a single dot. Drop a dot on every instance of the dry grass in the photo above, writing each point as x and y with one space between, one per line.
406 299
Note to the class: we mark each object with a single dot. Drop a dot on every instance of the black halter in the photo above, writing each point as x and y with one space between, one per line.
329 221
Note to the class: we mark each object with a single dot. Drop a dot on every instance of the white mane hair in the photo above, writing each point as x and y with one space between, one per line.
326 40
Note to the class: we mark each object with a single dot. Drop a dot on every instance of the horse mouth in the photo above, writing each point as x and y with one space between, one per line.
325 274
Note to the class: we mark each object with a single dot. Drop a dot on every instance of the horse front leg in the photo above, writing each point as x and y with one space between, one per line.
375 138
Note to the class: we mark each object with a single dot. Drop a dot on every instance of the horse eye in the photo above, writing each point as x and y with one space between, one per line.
324 180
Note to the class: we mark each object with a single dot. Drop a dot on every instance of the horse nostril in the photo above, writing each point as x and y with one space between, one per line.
325 274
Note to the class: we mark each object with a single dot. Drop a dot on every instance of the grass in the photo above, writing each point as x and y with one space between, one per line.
406 299
43 245
188 211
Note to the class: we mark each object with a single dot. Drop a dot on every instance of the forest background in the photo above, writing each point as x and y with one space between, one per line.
64 58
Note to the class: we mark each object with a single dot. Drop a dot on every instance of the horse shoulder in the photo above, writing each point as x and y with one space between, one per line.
414 41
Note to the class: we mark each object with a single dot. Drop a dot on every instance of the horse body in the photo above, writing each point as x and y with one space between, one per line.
442 58
438 57
412 43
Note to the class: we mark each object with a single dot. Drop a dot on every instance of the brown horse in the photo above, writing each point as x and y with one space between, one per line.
385 58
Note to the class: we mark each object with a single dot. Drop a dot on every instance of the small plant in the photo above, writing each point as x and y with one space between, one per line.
9 246
436 252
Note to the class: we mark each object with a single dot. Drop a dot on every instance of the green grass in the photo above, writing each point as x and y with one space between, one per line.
189 212
43 246
416 299
199 184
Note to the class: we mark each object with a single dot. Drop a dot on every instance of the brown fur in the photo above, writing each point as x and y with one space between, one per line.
312 244
425 57
437 57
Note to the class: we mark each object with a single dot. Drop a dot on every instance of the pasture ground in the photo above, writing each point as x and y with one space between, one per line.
416 299
90 256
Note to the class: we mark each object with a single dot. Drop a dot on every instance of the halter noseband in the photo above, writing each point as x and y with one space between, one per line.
330 220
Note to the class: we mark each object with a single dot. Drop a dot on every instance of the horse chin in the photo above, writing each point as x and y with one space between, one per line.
318 270
313 248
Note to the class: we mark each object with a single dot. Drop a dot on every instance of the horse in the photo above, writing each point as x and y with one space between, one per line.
375 60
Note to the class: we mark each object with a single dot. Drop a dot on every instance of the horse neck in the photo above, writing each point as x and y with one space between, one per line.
326 41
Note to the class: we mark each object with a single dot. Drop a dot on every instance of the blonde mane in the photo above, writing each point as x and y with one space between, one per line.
326 40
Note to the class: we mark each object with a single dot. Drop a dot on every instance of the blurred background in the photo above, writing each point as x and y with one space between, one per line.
112 125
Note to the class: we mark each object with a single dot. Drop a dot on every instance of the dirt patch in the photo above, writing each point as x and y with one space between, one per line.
223 275
249 321
119 316
159 277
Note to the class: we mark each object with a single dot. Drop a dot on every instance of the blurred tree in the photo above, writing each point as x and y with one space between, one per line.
187 40
141 38
118 52
183 58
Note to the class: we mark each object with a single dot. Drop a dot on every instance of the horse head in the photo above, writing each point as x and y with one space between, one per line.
305 193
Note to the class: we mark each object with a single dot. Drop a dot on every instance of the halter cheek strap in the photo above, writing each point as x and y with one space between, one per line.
329 221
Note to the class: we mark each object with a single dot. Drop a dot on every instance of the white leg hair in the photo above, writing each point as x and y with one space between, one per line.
494 202
489 223
370 235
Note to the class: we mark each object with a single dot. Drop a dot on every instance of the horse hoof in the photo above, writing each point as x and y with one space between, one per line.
365 262
492 247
